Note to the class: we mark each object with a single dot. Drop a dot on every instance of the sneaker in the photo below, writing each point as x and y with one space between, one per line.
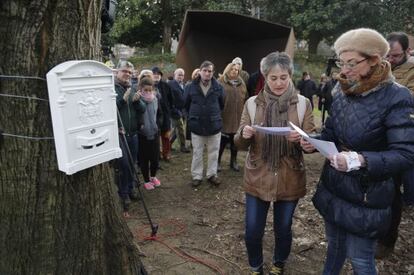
156 182
214 180
276 269
196 183
149 185
259 272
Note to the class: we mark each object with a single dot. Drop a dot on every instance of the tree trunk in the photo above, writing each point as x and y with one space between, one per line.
52 223
314 39
167 25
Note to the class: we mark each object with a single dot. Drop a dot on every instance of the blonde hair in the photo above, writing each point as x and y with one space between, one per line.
195 73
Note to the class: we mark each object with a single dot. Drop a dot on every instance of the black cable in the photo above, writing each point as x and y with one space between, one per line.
132 170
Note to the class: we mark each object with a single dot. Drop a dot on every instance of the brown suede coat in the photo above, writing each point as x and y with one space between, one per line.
234 98
404 74
289 182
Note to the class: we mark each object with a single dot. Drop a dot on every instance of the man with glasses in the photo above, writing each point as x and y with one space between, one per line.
402 65
130 108
204 101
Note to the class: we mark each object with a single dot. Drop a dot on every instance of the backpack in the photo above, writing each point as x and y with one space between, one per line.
300 106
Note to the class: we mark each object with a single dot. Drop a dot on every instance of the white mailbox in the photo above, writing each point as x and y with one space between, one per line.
83 105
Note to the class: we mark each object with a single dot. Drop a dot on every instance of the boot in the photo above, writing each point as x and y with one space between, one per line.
233 161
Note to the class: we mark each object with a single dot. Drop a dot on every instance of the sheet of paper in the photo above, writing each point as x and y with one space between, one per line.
326 148
279 131
300 131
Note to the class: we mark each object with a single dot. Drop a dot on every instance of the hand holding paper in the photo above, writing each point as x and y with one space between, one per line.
326 148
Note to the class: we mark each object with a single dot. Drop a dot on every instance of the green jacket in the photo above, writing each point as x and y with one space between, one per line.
130 112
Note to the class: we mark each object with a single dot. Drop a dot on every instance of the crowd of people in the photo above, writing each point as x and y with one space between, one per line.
362 189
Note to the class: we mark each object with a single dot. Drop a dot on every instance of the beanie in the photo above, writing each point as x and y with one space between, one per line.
363 40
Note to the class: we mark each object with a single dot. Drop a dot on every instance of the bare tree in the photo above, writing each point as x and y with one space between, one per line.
51 223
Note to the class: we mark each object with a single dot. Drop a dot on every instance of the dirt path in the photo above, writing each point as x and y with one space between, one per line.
208 223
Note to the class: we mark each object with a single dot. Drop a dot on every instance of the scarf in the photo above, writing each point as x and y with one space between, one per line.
276 115
379 75
148 97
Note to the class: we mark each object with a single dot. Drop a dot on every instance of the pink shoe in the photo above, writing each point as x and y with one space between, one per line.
155 182
149 185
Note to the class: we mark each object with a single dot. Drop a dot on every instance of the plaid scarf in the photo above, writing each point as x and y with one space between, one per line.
276 115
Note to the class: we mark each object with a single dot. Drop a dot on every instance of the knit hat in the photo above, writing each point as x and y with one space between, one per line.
156 70
363 40
237 60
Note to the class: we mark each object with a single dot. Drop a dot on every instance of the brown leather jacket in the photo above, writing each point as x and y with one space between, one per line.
289 182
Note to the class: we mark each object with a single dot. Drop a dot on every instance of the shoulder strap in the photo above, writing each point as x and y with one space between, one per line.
301 108
251 108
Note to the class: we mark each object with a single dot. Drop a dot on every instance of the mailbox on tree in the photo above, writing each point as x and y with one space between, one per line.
84 114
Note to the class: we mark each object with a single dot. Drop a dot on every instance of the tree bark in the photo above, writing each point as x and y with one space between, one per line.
166 11
52 223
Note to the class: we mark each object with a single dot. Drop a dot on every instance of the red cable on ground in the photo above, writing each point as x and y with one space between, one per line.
139 233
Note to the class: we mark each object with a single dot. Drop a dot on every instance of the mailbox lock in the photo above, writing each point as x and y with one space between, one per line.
93 131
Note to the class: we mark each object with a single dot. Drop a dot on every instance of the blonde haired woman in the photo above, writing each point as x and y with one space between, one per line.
371 124
235 94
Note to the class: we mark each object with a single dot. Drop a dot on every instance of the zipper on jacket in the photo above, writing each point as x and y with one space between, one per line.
365 197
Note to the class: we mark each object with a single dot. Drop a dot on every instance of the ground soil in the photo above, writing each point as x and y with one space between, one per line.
208 223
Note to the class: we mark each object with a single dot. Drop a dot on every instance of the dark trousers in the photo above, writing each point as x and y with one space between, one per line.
390 238
225 139
149 154
126 183
256 214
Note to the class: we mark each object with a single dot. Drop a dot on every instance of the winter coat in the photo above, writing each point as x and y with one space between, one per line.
404 74
131 112
307 88
289 181
178 99
234 98
166 103
379 125
204 111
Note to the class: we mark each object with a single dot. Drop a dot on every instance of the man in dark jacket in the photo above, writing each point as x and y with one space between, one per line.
166 103
177 115
130 108
307 87
204 101
402 66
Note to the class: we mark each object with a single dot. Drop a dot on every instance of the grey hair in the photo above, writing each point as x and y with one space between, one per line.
124 64
276 59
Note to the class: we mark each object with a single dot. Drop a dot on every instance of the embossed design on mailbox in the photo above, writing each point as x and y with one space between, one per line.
90 108
84 115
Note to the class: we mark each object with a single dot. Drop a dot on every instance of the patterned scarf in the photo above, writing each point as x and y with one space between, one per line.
276 115
379 75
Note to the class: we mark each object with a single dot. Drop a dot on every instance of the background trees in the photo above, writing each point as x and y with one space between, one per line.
144 23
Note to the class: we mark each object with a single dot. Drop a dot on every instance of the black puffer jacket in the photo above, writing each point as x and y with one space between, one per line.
380 126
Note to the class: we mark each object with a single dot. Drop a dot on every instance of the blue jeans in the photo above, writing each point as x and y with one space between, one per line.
126 183
256 214
342 245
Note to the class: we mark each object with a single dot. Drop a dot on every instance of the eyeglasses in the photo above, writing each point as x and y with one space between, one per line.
395 55
349 65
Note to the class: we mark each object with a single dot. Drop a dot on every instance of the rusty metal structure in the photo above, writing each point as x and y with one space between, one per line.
221 36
